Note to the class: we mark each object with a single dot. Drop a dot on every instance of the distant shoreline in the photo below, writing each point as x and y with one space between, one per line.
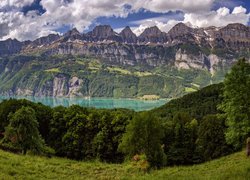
94 102
143 98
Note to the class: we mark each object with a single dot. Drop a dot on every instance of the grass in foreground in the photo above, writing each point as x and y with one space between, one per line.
13 166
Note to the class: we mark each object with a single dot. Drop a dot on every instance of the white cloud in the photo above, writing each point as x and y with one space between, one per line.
223 11
221 17
166 5
78 13
15 3
239 10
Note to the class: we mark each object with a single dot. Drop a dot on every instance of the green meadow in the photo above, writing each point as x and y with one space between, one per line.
14 166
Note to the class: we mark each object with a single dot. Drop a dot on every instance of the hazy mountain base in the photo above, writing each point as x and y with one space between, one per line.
235 166
72 76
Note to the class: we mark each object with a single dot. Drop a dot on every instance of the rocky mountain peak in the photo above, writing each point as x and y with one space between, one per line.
127 30
10 46
234 36
235 30
45 40
236 26
71 32
180 29
128 36
151 31
153 35
103 32
72 35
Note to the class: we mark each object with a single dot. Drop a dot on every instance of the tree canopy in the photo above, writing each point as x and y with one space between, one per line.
236 103
144 136
23 130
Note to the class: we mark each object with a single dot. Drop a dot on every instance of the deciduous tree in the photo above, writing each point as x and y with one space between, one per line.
144 135
23 132
236 103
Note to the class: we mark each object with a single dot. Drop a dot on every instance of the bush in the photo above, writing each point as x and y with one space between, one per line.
140 162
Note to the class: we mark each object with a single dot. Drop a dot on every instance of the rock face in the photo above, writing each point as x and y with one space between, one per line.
187 61
103 32
180 29
40 42
75 85
153 35
45 40
59 86
213 63
10 46
128 36
235 36
125 54
72 35
183 34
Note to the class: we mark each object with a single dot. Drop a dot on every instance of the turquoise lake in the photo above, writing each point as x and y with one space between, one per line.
108 103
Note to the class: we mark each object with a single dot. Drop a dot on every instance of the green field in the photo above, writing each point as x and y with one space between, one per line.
12 166
53 70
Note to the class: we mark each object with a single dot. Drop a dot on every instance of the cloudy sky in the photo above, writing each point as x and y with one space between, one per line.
30 19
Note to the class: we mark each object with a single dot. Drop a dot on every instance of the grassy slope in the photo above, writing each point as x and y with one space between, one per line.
13 166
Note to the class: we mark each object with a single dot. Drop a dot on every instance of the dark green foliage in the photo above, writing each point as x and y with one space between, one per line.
236 103
197 104
94 133
44 116
75 137
80 131
7 107
180 139
10 106
211 141
75 132
112 126
144 136
57 130
22 130
181 120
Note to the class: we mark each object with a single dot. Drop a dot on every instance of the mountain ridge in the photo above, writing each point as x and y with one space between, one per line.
183 46
106 33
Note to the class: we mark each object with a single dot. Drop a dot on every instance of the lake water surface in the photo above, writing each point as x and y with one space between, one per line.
108 103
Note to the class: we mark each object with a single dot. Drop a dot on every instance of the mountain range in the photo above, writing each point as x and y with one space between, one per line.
205 53
231 36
